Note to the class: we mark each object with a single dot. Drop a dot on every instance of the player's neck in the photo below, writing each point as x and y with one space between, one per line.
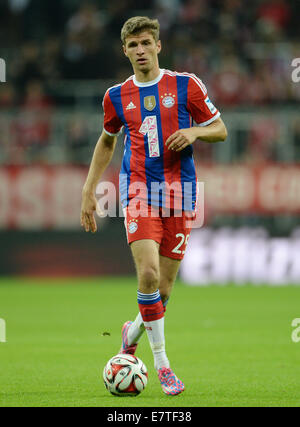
144 77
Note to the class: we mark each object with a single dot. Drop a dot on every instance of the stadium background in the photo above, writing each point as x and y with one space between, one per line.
61 56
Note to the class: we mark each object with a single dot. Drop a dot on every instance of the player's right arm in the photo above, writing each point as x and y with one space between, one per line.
102 156
103 153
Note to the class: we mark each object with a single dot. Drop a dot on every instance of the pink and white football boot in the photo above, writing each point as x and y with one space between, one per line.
170 384
125 348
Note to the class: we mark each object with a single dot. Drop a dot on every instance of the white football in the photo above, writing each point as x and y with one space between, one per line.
125 375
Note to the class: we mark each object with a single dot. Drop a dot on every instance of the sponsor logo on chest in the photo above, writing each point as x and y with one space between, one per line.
131 106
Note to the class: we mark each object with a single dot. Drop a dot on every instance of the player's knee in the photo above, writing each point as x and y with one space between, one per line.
149 278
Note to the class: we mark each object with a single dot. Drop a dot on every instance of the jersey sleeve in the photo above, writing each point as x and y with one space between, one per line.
199 105
112 124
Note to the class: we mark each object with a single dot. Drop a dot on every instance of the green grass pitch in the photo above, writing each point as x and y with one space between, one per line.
230 345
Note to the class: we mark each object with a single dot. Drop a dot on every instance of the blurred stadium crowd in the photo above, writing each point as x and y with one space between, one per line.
242 53
65 53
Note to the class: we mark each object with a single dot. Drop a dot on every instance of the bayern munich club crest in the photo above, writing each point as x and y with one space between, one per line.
168 100
132 226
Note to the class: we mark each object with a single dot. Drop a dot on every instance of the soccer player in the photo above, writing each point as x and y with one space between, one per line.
157 109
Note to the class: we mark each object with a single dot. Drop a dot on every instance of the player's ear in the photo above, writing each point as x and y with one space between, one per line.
124 50
158 44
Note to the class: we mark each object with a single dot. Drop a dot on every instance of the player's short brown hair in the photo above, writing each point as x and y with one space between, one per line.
137 25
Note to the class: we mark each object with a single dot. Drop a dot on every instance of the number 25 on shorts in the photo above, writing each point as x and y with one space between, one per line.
183 242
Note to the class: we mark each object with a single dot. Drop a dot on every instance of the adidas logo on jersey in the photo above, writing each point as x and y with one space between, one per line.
130 106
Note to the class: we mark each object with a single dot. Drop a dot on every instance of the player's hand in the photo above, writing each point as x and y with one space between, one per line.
88 208
181 139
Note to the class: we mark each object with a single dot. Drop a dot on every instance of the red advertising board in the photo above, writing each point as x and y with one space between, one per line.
40 197
45 197
268 189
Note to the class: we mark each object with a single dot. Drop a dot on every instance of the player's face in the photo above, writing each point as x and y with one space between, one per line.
142 51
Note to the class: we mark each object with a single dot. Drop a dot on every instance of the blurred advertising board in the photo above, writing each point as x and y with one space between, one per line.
265 189
49 197
241 256
40 197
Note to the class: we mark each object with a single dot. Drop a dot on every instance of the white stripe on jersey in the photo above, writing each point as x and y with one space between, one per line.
208 122
107 92
119 84
113 134
116 85
129 78
192 76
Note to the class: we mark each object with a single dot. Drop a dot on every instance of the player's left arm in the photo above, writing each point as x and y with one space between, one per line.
214 132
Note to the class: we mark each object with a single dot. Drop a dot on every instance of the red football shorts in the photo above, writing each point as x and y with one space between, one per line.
171 232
